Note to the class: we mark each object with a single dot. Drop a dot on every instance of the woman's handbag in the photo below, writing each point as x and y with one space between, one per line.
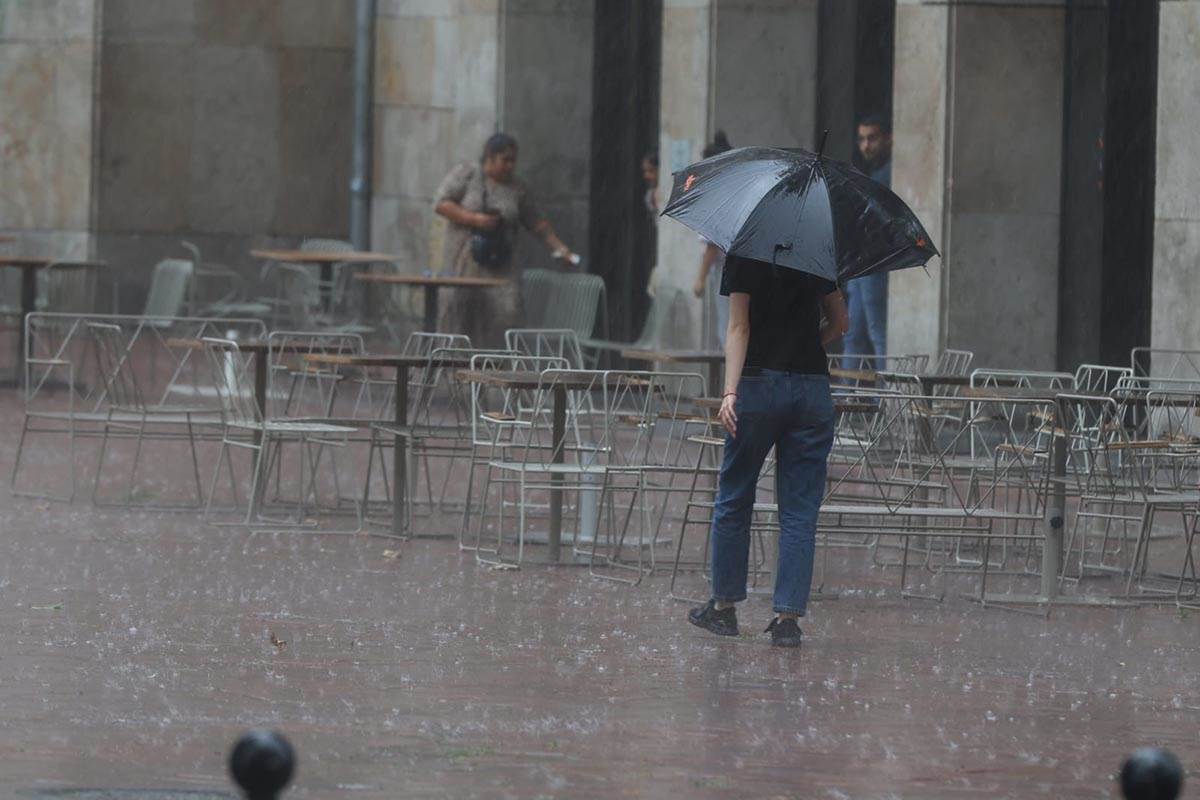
490 249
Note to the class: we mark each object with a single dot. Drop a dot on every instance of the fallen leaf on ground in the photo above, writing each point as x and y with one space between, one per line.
279 643
391 553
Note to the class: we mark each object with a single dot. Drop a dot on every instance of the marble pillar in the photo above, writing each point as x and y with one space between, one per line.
978 130
1176 288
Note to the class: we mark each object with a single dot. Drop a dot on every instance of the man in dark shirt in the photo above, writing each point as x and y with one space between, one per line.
776 396
866 297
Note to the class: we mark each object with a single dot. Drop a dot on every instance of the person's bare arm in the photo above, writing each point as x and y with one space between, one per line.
469 219
737 339
711 254
837 319
545 231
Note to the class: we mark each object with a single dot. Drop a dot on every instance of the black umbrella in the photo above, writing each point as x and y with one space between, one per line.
799 210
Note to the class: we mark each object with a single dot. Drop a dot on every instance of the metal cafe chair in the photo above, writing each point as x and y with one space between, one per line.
65 388
555 342
130 416
983 501
506 427
1124 492
245 428
300 390
650 417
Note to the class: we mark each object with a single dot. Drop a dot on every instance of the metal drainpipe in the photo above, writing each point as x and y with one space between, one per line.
360 178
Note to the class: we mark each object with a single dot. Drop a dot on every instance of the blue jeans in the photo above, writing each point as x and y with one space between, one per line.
866 300
794 414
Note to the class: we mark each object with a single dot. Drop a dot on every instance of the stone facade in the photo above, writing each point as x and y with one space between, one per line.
129 125
223 122
978 133
1176 290
48 52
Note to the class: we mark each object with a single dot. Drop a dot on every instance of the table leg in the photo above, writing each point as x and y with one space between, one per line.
28 306
558 427
327 286
1056 514
431 309
260 389
400 453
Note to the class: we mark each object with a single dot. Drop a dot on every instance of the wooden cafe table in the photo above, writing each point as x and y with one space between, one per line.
324 259
431 284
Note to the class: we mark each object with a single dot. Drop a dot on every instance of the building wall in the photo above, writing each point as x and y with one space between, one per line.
223 122
746 66
919 163
450 73
1176 289
48 52
992 174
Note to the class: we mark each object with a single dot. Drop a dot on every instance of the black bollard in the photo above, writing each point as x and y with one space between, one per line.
262 763
1151 773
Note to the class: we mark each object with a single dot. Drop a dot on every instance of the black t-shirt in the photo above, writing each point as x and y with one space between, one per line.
785 315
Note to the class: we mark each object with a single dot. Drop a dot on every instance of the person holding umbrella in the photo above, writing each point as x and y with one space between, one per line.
795 226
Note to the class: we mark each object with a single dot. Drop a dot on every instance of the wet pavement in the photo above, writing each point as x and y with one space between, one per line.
138 645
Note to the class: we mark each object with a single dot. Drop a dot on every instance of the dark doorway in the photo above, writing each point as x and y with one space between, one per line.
1107 240
625 98
855 64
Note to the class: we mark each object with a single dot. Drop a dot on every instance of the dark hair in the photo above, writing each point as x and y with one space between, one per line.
876 121
652 157
719 144
498 143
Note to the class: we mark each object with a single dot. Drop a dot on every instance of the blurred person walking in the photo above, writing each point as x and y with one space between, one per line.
487 205
867 297
712 260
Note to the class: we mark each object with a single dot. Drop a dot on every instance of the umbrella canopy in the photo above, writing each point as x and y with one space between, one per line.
800 210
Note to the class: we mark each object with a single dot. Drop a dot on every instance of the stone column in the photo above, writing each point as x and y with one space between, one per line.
48 80
748 67
1174 322
448 75
978 130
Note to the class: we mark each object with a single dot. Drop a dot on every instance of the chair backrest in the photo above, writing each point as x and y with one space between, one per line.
299 388
168 288
496 412
112 355
1099 378
560 342
327 246
574 303
1159 362
231 378
953 362
66 291
536 288
422 343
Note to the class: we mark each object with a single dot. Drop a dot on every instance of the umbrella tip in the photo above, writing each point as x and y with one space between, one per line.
821 147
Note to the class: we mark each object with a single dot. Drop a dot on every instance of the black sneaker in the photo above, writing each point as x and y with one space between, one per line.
722 623
785 632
